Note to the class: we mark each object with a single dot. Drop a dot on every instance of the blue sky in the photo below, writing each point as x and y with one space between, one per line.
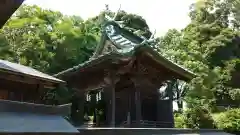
159 14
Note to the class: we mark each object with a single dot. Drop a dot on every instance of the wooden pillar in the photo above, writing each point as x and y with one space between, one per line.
110 80
81 97
39 94
138 107
108 108
129 111
113 103
170 95
138 104
94 102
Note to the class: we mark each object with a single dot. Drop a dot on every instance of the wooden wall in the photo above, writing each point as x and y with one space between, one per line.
3 94
17 91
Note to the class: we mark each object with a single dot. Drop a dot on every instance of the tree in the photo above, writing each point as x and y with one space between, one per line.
209 47
48 39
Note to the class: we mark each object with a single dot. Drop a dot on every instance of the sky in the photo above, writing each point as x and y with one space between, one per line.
161 15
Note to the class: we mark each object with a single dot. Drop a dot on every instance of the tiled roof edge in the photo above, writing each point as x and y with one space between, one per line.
89 62
16 106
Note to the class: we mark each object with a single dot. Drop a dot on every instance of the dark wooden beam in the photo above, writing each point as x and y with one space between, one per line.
110 80
16 86
25 80
150 62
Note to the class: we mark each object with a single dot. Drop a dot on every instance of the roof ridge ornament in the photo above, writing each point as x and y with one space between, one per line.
115 15
151 39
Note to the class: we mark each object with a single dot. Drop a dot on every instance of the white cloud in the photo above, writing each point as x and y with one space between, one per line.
159 14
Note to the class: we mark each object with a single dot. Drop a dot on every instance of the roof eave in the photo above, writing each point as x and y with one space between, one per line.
7 8
17 106
34 77
89 63
187 75
167 63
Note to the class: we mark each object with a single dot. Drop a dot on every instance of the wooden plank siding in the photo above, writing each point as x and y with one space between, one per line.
3 94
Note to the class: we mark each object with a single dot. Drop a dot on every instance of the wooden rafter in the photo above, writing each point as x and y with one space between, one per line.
25 79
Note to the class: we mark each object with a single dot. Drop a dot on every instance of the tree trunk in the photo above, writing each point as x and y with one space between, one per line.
180 105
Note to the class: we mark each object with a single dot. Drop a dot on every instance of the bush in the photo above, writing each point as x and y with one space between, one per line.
228 121
179 121
198 117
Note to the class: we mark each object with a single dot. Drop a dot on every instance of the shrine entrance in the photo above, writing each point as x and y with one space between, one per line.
125 104
95 108
99 106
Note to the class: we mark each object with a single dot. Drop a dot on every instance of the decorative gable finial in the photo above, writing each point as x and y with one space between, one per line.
150 39
115 16
153 34
107 7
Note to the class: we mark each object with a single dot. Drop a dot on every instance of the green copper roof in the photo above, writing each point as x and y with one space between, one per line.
126 44
116 55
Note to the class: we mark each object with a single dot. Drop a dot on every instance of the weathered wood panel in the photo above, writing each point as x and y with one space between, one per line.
3 94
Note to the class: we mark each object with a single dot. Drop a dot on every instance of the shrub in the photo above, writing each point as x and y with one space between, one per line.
228 121
179 121
198 117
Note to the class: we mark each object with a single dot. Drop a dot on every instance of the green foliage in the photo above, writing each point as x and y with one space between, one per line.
179 120
60 95
198 117
48 39
228 121
208 46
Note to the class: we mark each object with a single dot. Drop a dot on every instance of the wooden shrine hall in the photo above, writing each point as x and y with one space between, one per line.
17 117
129 72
